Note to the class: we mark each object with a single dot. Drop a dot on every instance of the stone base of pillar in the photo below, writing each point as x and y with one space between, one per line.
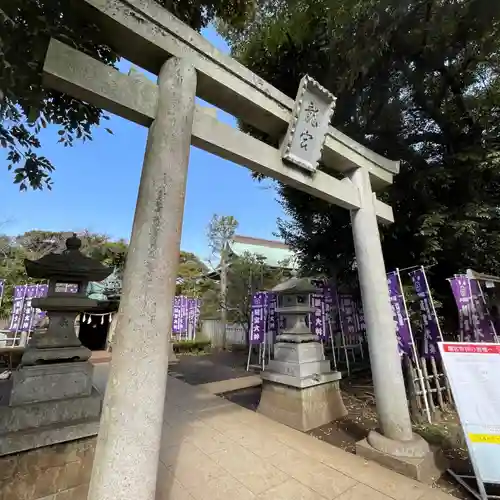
415 458
172 357
303 408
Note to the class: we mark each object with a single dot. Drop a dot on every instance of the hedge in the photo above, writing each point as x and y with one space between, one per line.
195 346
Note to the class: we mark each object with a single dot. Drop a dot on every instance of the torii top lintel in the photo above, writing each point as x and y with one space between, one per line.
147 34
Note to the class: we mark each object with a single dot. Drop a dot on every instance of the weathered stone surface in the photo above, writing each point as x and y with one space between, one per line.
58 472
136 101
300 370
291 353
46 436
427 468
128 446
301 383
41 414
222 80
389 386
33 384
36 356
302 409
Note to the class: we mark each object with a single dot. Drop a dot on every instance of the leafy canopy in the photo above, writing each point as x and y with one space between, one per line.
26 107
417 81
35 244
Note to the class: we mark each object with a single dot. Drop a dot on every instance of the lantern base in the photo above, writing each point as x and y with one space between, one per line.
50 382
36 425
34 356
302 408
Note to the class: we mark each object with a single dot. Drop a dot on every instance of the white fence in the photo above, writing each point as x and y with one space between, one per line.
211 329
13 339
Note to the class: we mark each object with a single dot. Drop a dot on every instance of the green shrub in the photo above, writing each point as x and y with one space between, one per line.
191 346
239 348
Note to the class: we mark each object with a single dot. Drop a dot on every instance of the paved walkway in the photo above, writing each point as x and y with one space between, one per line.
214 449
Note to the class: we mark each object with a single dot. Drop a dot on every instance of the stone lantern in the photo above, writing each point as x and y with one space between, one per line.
52 397
57 354
299 388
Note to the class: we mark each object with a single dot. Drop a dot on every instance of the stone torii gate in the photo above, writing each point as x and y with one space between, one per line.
126 458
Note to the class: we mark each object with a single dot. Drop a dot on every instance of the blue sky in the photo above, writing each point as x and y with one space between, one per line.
95 186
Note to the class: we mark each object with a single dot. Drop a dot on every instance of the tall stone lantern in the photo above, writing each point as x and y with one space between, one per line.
52 396
299 388
58 354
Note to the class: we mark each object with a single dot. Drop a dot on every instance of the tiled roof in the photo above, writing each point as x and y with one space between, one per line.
275 252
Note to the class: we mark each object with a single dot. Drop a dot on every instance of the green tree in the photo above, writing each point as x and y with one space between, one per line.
416 81
190 275
220 233
35 244
26 107
248 274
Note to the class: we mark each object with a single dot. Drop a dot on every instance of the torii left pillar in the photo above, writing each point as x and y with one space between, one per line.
128 445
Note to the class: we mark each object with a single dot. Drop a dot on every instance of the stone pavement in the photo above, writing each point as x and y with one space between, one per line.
214 449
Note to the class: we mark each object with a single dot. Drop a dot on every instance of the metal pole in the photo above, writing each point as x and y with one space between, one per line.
432 304
414 348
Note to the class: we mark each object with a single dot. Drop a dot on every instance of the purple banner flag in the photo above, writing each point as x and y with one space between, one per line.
359 315
484 331
42 291
193 313
185 315
28 310
258 318
460 287
318 317
430 323
401 321
176 316
184 304
17 307
272 316
330 301
347 320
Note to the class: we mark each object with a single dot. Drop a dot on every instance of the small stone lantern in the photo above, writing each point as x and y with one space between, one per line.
299 388
294 307
56 356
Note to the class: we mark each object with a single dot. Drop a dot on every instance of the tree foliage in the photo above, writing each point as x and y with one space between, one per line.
26 107
248 274
191 281
113 253
220 232
417 81
35 244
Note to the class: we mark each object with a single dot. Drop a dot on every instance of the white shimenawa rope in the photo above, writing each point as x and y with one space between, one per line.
87 317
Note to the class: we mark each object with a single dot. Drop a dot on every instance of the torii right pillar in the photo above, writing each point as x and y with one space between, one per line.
396 446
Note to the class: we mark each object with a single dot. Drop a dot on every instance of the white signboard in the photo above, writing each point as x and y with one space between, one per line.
473 370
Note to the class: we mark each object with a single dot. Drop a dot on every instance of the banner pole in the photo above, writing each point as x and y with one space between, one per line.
446 382
333 345
342 336
415 353
264 344
472 310
431 300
